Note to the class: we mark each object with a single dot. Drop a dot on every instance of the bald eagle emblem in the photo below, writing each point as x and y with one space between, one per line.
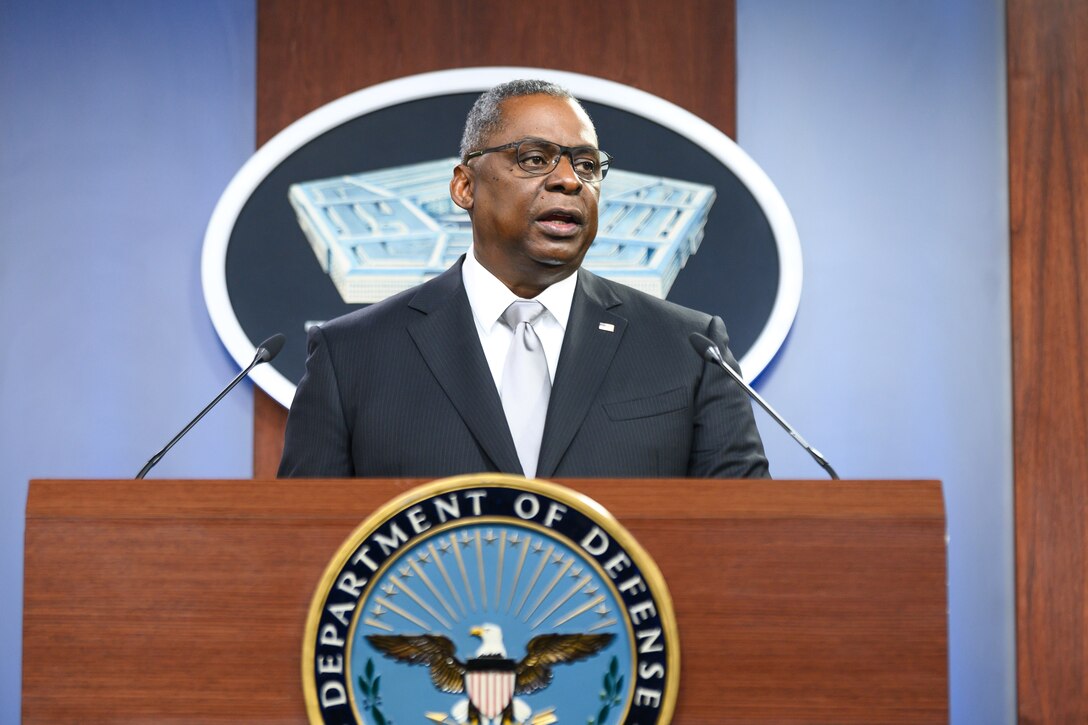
490 679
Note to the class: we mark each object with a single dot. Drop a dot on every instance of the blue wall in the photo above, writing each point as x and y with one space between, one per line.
121 123
881 123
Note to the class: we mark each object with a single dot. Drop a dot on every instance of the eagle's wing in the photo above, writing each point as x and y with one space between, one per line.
435 651
535 671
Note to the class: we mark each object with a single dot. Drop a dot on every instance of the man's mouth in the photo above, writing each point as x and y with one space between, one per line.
560 222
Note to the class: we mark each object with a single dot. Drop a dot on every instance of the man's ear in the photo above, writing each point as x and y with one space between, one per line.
462 186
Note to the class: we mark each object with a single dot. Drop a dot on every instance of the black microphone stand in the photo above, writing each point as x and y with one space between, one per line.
265 352
705 347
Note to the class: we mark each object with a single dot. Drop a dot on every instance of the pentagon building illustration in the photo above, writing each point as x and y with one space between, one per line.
381 232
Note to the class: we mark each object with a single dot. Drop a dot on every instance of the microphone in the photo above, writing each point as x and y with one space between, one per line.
709 352
265 352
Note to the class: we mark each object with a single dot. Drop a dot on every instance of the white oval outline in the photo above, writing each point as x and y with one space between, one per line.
464 80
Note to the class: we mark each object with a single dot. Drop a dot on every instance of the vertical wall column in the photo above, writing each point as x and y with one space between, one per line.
1048 208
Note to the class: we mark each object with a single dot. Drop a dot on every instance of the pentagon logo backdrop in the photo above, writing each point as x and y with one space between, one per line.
350 205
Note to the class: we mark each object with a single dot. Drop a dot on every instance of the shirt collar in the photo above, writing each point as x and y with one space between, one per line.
489 297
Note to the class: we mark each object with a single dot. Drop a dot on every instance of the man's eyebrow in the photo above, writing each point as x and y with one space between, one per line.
556 143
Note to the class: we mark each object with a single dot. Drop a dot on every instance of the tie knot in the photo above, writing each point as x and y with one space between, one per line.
522 311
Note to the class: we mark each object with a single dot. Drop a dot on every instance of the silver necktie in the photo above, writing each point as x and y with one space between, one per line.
526 385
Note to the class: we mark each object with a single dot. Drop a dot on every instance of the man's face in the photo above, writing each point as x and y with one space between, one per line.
530 231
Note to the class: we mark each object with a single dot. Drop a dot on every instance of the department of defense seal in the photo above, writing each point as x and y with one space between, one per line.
492 600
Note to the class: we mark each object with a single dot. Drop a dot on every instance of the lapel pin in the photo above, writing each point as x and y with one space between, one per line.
607 327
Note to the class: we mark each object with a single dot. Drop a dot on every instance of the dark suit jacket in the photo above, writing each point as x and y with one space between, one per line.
402 388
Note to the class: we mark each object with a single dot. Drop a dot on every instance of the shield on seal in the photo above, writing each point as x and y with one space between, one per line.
489 683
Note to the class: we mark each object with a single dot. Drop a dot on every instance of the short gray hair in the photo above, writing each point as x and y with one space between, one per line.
485 118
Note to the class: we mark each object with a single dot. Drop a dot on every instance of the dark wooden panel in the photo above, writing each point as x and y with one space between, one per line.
310 53
185 601
269 423
1048 199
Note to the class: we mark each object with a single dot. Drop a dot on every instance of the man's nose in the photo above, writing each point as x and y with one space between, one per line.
563 179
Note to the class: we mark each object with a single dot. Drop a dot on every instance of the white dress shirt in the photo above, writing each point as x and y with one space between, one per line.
489 298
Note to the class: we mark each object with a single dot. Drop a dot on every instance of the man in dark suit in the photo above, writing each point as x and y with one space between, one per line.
420 384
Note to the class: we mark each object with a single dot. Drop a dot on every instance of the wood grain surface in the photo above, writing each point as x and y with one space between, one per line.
314 52
1048 206
184 601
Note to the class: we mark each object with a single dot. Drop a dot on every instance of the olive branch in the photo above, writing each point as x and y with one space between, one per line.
611 689
370 683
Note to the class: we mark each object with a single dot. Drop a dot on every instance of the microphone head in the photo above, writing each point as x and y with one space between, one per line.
271 347
703 345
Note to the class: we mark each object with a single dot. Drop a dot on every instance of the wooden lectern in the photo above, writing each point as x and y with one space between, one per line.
184 601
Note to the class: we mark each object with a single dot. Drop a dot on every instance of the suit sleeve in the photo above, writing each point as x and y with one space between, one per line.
726 443
318 440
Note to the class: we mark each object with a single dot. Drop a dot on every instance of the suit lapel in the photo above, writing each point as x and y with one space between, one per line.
585 358
446 338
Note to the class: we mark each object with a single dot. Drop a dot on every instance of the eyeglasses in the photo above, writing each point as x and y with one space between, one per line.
540 157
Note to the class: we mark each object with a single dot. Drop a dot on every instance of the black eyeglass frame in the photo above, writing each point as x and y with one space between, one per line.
568 151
